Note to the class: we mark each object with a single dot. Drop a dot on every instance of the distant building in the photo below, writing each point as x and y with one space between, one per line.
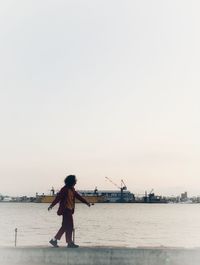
184 196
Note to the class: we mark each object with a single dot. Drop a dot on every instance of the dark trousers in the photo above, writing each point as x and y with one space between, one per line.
67 226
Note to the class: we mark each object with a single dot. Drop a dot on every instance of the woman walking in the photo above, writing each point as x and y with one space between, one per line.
66 199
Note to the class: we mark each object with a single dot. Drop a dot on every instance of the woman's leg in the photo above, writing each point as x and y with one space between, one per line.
61 231
69 225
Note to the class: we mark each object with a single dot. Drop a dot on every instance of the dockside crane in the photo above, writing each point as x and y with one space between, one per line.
149 196
122 188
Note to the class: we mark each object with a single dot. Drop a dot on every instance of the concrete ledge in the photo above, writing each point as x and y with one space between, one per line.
98 256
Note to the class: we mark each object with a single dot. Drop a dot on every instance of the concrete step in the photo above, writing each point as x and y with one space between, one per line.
98 256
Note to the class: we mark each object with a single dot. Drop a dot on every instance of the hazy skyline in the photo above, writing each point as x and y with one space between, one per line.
100 88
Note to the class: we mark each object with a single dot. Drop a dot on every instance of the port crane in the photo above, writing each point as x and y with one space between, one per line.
149 197
122 188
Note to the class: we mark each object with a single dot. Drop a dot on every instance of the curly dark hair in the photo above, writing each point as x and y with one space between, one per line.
70 181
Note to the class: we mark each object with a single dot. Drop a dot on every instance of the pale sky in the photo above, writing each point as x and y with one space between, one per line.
100 88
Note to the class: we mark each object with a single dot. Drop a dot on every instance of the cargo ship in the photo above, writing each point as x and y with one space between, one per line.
50 198
110 196
107 196
122 195
93 196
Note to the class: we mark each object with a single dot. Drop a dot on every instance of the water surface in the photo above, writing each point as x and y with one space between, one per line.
130 225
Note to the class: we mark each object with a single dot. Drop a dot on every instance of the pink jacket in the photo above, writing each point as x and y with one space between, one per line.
61 198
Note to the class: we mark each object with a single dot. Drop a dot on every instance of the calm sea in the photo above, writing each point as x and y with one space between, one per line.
130 225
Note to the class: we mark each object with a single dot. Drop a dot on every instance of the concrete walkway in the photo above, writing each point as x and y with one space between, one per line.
98 256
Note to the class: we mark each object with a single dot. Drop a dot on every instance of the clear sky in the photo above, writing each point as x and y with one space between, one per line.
100 88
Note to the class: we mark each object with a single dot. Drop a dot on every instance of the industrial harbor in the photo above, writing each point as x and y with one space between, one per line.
120 195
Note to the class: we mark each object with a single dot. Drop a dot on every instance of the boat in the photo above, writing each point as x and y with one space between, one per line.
93 196
112 196
152 198
107 196
7 199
